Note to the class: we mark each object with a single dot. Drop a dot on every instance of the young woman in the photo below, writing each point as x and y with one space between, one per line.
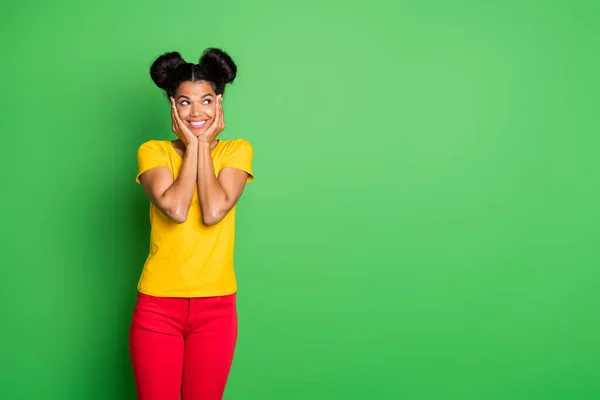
184 325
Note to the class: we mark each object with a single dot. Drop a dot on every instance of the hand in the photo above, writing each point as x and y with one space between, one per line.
179 128
217 126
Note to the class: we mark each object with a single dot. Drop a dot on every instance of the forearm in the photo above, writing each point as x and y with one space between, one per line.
178 197
211 195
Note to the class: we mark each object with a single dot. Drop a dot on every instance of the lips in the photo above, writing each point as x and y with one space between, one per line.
197 124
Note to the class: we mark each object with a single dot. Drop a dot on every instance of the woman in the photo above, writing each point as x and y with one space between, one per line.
184 326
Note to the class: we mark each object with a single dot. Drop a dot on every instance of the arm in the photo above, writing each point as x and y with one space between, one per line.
217 196
173 197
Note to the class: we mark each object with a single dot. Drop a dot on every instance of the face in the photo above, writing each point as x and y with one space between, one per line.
196 105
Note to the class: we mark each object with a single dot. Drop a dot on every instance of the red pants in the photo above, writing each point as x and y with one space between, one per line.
183 347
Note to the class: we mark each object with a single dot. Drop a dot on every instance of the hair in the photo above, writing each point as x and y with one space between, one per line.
215 66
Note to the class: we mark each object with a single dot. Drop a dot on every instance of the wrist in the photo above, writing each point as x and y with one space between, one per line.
203 144
191 145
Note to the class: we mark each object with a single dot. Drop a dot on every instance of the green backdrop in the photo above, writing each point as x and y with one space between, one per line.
424 221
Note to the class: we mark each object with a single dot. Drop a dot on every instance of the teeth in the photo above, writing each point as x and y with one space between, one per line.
198 123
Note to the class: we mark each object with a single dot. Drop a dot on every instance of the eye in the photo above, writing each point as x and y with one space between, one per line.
207 101
184 103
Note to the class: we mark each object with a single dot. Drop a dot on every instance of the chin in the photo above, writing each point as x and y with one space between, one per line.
197 132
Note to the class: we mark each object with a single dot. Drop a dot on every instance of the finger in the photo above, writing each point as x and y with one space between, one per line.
182 130
173 121
220 114
215 124
176 115
177 125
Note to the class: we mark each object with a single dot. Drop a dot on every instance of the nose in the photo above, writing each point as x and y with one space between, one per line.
196 110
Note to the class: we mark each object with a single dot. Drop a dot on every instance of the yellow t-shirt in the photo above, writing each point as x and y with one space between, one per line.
191 259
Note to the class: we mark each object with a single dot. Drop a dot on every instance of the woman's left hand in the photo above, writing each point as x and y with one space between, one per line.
217 126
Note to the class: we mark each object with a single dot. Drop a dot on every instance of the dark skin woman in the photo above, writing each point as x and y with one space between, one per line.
185 325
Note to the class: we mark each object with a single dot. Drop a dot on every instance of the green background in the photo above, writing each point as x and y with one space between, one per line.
424 221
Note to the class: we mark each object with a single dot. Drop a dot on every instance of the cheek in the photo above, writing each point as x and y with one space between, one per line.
183 112
210 110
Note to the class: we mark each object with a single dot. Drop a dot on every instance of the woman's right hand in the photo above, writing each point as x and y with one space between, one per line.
179 128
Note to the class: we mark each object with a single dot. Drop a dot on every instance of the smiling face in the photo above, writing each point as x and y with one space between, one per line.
196 105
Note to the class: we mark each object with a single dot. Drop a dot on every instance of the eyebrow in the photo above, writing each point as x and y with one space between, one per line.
203 96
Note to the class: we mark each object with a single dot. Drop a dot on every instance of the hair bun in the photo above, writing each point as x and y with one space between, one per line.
218 65
162 69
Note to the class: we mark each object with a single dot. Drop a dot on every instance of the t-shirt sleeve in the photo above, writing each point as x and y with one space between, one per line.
240 157
149 155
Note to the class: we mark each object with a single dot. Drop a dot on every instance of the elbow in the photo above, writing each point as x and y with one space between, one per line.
210 221
174 211
179 219
177 216
212 218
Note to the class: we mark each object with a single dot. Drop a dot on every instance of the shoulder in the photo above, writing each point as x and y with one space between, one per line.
236 146
151 154
236 143
153 147
159 145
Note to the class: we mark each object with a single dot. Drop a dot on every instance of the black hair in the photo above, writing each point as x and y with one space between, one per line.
215 66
